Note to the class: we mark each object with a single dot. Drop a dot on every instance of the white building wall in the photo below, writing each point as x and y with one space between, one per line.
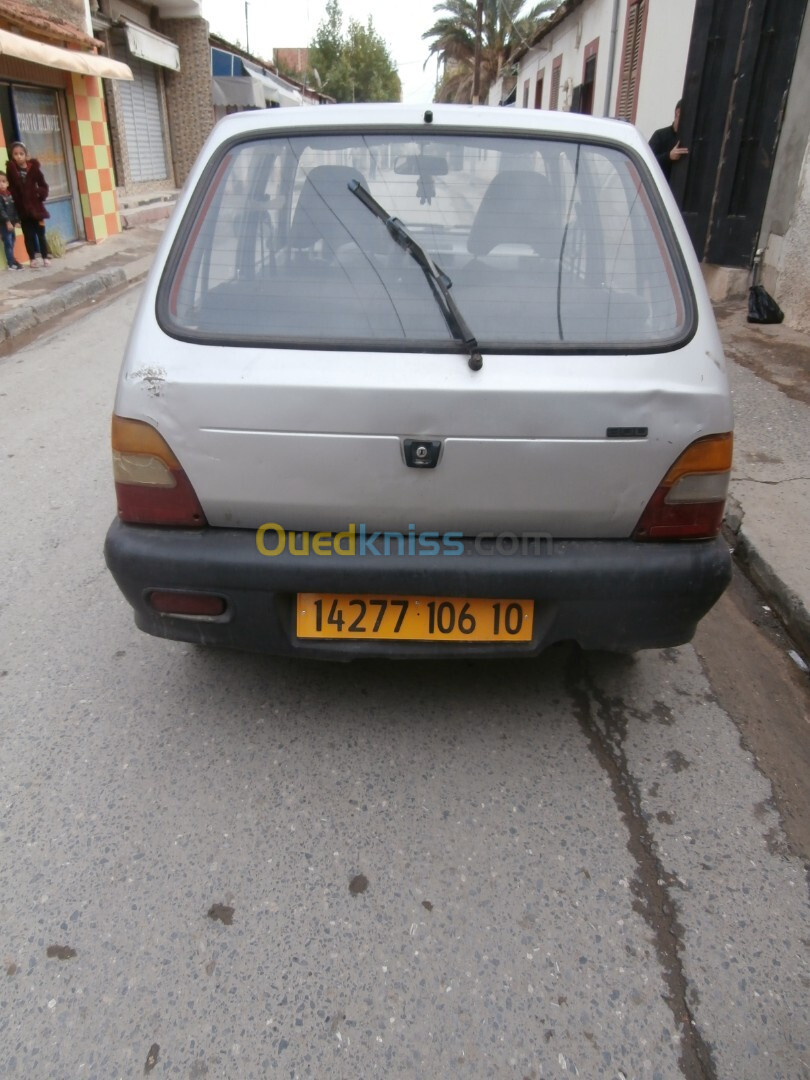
792 257
785 234
663 63
592 20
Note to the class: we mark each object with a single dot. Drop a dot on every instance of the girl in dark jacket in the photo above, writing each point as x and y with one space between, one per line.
29 191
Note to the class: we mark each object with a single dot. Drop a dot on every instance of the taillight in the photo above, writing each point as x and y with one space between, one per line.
688 503
150 484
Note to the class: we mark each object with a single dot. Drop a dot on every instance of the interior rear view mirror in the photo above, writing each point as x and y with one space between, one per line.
420 165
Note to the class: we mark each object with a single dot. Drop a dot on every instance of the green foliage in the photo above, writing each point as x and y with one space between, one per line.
325 47
355 66
504 28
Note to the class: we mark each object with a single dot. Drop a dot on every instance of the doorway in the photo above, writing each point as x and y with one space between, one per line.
37 117
738 75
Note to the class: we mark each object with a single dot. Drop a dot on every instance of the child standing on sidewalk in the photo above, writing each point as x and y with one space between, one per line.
29 191
8 219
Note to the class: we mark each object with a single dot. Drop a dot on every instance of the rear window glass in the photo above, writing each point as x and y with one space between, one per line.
545 242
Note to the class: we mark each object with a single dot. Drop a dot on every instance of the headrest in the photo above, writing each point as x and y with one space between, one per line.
326 209
517 208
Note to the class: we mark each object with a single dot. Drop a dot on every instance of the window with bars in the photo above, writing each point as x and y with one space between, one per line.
554 95
631 59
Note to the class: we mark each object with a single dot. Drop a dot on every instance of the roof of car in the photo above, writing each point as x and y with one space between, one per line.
387 116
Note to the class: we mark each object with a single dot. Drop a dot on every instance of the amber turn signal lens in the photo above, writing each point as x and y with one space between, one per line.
711 454
138 437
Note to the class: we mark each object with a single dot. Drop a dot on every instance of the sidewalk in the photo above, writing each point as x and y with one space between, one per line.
30 299
768 513
769 506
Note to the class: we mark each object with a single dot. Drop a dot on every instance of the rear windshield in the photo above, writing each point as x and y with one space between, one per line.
545 243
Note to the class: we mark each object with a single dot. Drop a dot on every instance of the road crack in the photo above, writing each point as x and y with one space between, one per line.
603 720
769 483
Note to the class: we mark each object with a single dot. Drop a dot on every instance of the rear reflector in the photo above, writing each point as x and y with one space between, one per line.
191 605
688 504
150 484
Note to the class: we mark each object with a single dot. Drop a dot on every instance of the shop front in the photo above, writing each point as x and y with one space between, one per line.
51 99
38 117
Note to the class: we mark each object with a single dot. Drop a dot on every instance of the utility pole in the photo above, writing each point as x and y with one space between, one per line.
479 14
247 29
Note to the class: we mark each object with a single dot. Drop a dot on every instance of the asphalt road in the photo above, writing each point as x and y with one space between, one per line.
217 865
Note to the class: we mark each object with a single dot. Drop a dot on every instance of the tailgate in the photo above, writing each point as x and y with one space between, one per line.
314 440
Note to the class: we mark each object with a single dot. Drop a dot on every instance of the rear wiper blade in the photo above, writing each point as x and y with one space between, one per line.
439 282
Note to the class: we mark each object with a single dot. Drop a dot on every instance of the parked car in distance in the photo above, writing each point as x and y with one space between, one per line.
411 382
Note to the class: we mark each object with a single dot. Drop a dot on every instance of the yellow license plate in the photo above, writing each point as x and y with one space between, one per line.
413 618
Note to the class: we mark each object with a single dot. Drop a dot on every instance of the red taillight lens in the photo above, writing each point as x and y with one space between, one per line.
193 605
688 503
150 484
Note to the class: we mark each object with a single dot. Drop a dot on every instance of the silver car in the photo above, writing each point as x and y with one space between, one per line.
420 382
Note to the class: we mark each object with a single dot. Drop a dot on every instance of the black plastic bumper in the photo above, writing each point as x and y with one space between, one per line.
604 594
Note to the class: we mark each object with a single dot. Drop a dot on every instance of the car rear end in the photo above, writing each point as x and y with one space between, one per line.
310 461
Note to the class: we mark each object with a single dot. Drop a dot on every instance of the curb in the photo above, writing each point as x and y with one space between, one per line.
38 313
788 605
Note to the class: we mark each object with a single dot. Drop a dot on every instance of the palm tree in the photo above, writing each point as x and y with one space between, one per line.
452 40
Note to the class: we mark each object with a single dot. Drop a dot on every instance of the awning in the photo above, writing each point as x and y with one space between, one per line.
242 92
85 63
152 47
273 88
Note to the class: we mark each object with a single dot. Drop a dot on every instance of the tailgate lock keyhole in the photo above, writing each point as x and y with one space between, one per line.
421 453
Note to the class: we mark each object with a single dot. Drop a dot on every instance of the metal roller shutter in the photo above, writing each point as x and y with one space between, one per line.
142 119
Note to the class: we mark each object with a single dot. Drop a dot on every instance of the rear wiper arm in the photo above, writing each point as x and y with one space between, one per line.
439 282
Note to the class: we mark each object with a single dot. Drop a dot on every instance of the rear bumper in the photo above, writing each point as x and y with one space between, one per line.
604 594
